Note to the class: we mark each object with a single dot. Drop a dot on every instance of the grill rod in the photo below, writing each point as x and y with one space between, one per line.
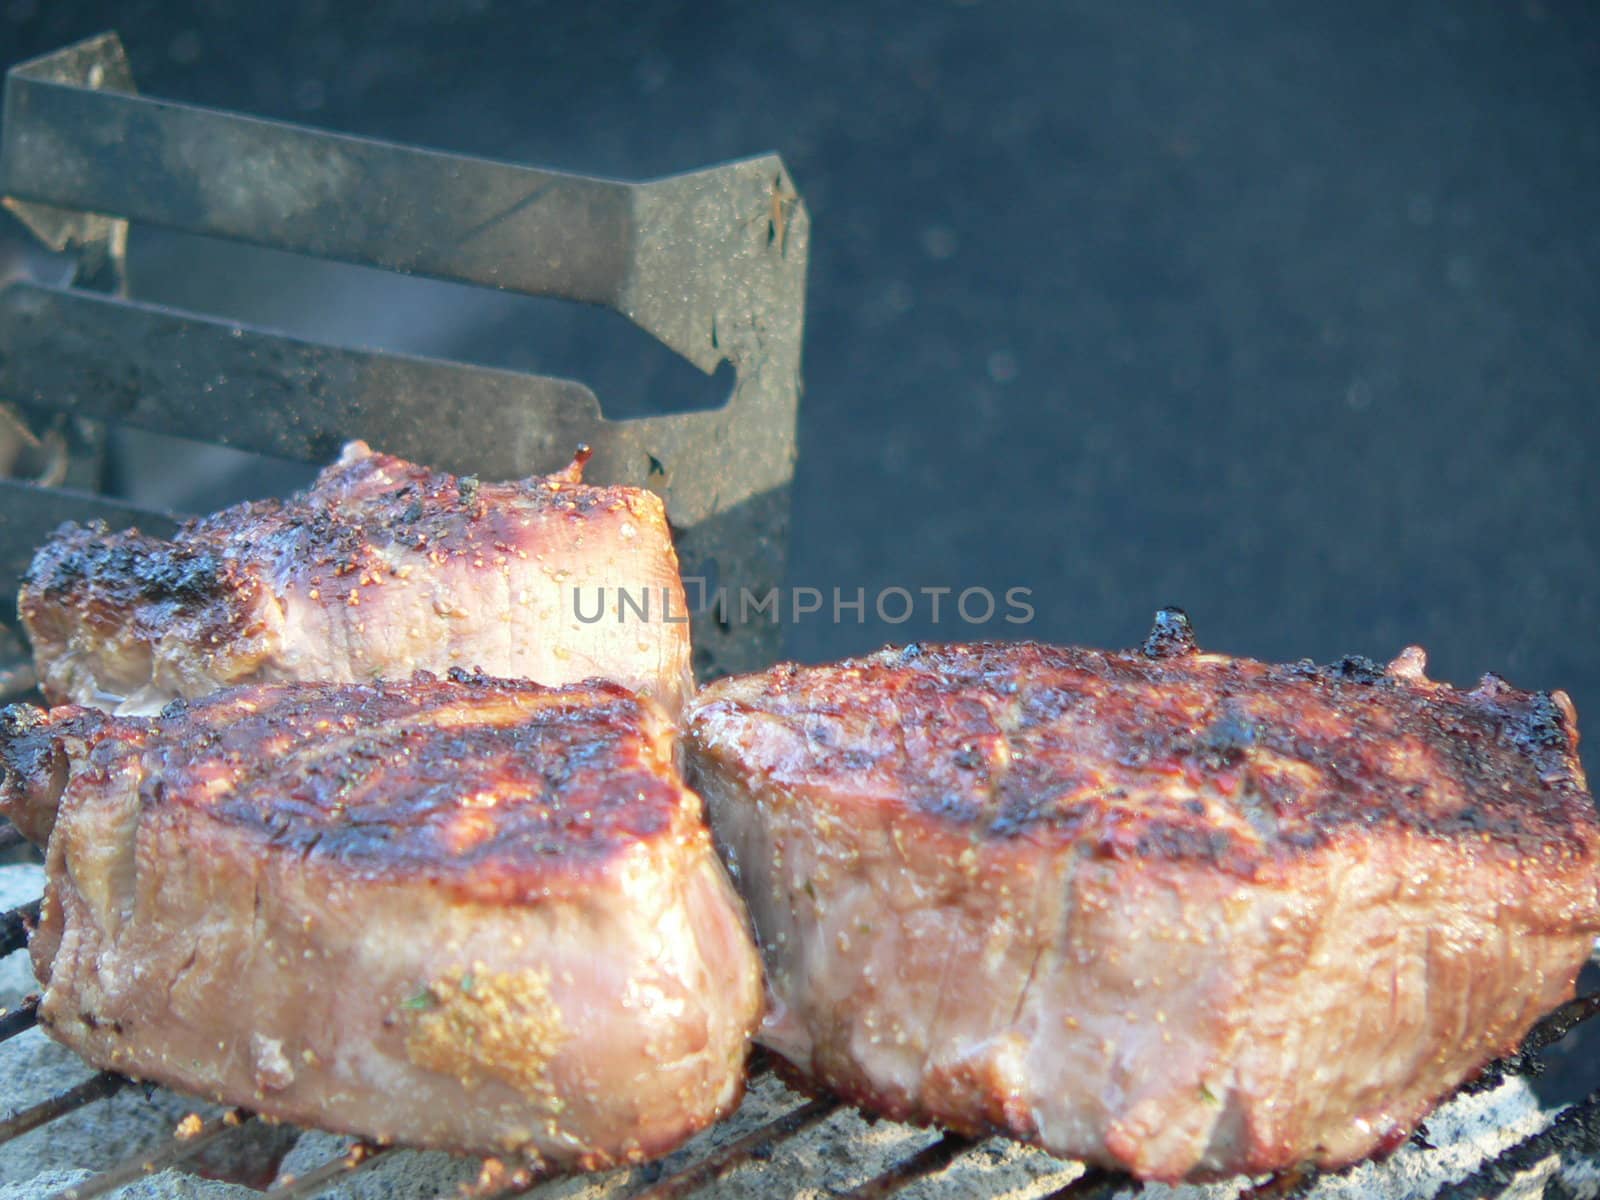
15 925
1576 1127
1572 1126
96 1087
930 1160
737 1153
1096 1183
756 1144
359 1157
20 1019
176 1151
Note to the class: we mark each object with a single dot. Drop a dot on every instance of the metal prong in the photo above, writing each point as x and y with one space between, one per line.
711 263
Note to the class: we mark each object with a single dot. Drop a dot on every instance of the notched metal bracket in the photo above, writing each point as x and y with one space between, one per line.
711 263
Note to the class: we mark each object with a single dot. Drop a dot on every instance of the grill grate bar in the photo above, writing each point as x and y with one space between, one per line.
96 1087
20 1019
1562 1022
359 1157
15 925
181 1147
1575 1131
1285 1185
1096 1183
754 1145
930 1160
1578 1128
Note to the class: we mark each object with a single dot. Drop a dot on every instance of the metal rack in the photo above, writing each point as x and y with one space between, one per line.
711 263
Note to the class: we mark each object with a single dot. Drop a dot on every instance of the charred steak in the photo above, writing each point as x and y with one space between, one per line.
1173 912
471 914
382 568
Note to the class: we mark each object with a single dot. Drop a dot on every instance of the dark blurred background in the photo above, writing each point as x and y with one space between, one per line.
1288 314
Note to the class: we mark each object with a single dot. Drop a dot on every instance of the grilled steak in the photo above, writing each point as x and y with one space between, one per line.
475 915
1173 912
382 568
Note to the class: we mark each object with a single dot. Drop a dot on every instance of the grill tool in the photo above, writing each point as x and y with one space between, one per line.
711 263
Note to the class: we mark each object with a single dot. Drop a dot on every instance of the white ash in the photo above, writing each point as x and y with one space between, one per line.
175 1185
400 1175
168 1185
839 1154
20 883
46 1183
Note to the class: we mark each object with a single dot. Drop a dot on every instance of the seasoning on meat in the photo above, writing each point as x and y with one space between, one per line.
1174 912
469 914
382 568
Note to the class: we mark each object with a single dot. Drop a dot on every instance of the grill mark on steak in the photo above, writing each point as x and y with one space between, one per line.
524 751
468 914
1315 750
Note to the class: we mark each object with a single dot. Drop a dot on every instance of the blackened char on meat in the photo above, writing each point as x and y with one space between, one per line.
469 914
382 568
1174 912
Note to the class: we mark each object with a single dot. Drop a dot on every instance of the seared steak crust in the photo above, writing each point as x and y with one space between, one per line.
382 568
1175 912
1107 748
468 914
